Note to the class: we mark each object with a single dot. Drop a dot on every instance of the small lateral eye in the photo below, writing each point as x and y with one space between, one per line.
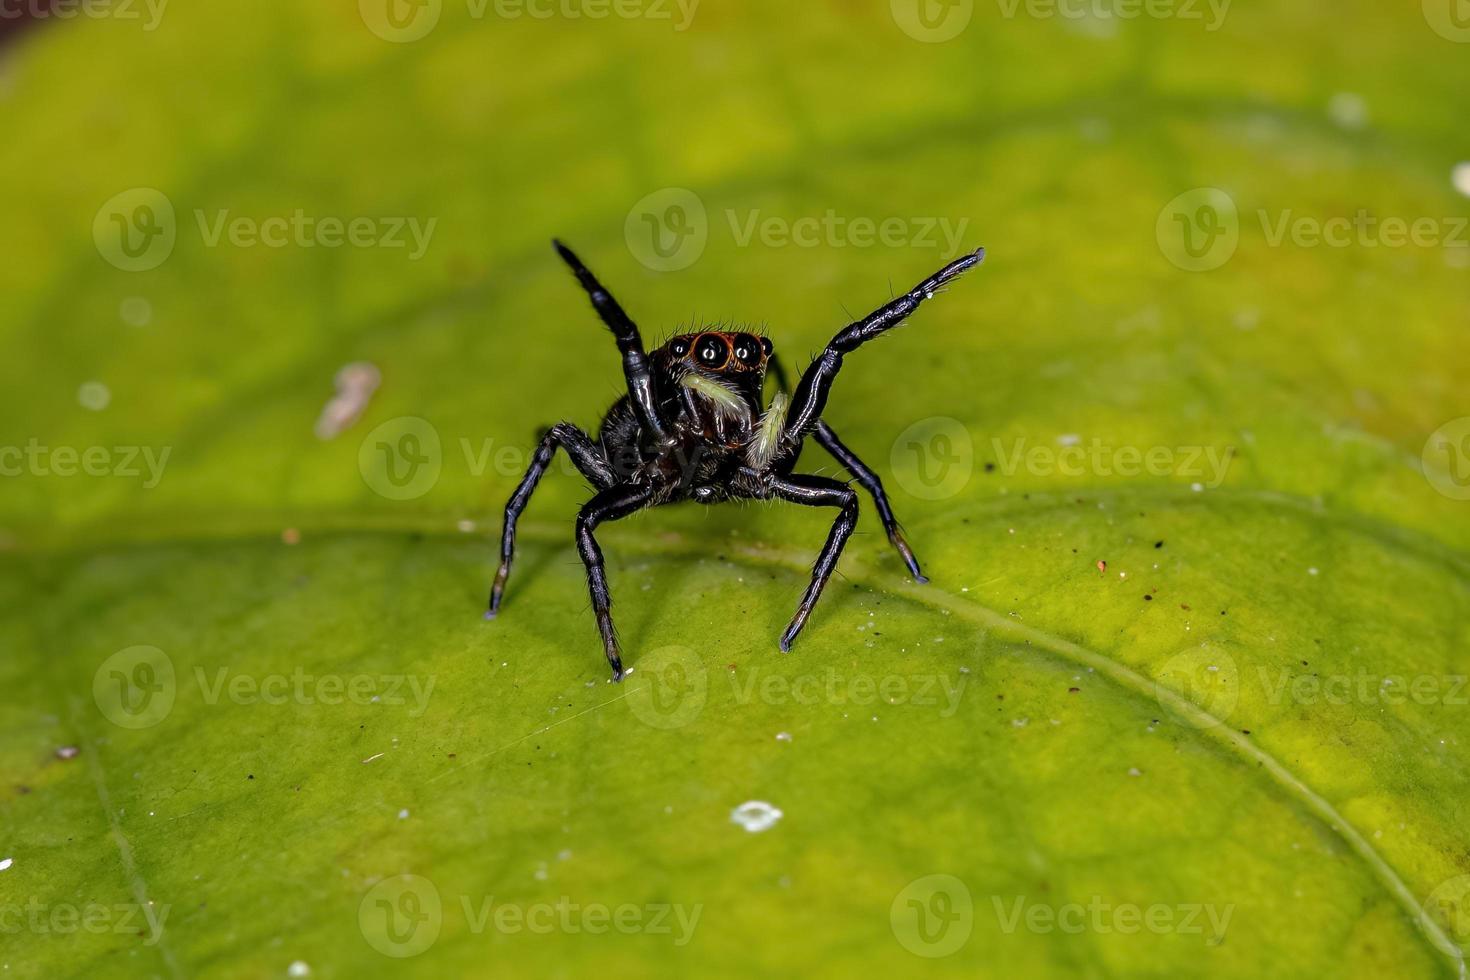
680 347
747 350
767 346
712 351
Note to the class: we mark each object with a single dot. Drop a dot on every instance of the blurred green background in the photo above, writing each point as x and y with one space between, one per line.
1205 716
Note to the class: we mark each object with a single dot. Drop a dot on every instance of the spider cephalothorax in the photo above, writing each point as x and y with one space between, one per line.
694 426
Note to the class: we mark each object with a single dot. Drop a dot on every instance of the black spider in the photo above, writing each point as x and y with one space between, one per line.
692 427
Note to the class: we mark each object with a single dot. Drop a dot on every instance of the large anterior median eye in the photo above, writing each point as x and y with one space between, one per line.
747 350
712 351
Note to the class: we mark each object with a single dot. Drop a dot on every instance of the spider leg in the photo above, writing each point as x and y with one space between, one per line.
609 504
869 481
865 476
811 392
585 455
818 491
630 344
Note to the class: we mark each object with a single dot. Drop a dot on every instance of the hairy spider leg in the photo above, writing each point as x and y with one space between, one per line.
630 344
818 491
812 390
866 478
610 504
585 455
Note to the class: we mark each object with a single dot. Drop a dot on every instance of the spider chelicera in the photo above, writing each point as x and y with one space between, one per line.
692 427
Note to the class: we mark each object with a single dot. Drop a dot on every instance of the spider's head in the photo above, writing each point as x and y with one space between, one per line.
717 353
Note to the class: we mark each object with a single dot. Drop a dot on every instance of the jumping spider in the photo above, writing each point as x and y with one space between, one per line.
692 427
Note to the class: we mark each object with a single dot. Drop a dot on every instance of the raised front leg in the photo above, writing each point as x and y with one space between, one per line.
635 361
585 456
818 491
811 392
609 505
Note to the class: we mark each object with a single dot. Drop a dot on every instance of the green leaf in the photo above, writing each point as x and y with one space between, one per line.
1186 695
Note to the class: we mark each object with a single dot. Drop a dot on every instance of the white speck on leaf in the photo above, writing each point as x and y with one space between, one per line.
755 816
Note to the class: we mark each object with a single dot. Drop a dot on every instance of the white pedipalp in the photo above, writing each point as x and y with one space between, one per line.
762 448
727 402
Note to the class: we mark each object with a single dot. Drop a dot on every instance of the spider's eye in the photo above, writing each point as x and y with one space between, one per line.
712 351
767 346
679 347
747 350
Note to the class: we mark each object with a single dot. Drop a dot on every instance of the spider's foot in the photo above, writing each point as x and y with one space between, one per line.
896 537
616 662
497 591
